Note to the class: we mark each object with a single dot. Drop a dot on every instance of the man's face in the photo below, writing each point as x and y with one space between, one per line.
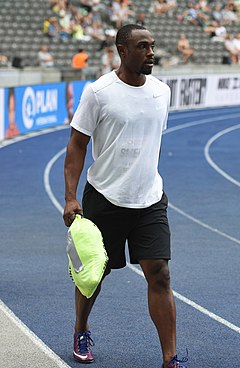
138 54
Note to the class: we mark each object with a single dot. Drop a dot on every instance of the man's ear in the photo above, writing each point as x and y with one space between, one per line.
121 50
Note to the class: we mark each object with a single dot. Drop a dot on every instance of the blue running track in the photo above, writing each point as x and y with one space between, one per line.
200 164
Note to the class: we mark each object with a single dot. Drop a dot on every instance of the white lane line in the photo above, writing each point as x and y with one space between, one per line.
176 115
199 122
46 180
215 230
209 159
194 305
29 135
34 338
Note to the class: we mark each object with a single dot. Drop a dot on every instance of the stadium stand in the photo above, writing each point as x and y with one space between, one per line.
22 34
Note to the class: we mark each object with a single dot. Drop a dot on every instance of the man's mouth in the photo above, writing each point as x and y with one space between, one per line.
150 62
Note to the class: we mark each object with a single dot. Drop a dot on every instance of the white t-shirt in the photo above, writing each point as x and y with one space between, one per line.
236 43
126 124
45 58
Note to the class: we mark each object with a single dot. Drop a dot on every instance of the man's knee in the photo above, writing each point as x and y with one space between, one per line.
157 274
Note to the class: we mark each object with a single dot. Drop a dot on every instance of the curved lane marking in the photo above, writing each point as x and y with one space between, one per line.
203 121
210 160
203 224
46 180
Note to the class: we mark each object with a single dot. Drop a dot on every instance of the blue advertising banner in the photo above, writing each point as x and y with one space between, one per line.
32 108
79 87
74 91
37 107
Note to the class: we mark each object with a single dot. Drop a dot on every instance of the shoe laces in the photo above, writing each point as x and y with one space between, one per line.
176 363
84 342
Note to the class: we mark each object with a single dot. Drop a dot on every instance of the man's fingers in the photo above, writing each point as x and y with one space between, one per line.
69 218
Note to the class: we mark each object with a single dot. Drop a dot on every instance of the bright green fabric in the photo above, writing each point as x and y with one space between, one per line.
88 242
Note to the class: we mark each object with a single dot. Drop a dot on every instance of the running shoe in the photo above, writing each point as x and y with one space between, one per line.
82 347
176 363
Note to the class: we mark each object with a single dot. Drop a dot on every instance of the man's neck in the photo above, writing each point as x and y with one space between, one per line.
135 80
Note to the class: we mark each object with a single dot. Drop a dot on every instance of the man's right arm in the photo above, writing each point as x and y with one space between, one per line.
74 162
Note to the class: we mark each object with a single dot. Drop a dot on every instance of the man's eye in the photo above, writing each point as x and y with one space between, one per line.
143 46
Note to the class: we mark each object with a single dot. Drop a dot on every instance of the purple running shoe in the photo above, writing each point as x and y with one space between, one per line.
82 347
177 363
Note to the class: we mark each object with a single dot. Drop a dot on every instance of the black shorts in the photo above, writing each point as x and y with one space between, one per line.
146 230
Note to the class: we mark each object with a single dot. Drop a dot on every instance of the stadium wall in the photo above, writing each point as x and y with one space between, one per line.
25 109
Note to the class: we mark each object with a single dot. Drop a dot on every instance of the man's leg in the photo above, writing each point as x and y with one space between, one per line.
84 306
82 336
161 304
83 309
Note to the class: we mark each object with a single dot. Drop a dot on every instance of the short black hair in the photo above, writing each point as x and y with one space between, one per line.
125 32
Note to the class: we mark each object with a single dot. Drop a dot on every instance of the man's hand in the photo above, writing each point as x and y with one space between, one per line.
71 209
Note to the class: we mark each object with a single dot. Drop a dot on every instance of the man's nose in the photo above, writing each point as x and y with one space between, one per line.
150 51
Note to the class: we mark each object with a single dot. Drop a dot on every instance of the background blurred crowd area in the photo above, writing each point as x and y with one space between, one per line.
70 25
88 19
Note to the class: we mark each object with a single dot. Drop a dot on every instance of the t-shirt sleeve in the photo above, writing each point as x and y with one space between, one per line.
168 105
86 116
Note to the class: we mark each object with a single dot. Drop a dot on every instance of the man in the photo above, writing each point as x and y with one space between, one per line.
79 60
109 60
3 60
184 48
44 57
125 112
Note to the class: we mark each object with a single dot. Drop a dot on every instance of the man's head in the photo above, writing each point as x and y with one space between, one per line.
44 48
135 46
